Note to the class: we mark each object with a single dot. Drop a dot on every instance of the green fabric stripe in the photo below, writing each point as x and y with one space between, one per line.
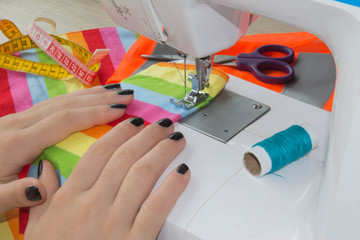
61 159
205 103
157 85
54 87
162 86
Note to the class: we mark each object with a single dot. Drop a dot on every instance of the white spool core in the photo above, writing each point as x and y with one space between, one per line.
312 133
257 161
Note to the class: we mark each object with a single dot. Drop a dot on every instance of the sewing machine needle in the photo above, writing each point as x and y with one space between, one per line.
185 73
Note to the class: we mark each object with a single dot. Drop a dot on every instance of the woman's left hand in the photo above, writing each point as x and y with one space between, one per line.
24 135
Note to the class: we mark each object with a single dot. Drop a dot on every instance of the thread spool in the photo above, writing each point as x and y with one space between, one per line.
280 149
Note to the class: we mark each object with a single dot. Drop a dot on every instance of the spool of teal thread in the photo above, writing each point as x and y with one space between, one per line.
280 149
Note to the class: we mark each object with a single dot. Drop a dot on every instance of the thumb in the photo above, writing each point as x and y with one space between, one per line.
26 192
48 176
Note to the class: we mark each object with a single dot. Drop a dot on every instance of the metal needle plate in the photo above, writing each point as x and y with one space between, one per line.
226 116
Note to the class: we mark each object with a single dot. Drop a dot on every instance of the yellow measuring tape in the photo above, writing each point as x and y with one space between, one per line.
69 67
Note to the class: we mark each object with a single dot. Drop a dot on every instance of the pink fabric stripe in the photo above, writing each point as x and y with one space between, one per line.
149 112
112 41
20 90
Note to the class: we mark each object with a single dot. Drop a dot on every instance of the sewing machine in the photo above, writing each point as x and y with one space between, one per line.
315 197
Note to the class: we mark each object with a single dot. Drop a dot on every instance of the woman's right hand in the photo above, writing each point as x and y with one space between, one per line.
109 193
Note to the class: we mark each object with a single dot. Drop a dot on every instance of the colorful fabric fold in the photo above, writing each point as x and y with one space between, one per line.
154 88
300 42
20 91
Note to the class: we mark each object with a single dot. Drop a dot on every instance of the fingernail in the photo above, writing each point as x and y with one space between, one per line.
176 136
118 106
126 92
165 122
136 121
112 86
40 168
32 193
182 168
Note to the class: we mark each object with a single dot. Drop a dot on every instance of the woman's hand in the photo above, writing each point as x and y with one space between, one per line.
24 135
109 193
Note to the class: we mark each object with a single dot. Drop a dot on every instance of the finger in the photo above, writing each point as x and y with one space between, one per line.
25 192
82 92
158 206
124 157
18 120
62 124
69 101
49 178
96 157
143 175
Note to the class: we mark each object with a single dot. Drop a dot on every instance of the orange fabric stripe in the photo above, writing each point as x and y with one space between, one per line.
133 60
97 131
13 221
329 104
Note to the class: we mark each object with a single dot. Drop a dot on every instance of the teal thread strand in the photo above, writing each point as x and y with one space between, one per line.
287 146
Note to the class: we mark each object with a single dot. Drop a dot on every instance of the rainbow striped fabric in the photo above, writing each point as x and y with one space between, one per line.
20 91
153 87
157 85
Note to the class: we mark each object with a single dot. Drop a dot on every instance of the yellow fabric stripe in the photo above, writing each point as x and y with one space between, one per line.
77 143
169 73
5 231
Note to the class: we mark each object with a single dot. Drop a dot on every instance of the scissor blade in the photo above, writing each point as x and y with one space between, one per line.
162 57
226 63
220 59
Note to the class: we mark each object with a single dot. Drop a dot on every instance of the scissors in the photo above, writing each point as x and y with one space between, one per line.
256 63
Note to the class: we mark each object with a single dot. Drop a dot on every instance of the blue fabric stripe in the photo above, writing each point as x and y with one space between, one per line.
36 83
127 37
351 2
157 99
33 173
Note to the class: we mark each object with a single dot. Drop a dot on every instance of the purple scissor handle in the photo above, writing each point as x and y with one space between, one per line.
255 62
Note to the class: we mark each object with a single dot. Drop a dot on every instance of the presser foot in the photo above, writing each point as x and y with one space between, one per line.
191 99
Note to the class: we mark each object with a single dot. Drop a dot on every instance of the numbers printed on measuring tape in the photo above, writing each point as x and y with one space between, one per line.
68 66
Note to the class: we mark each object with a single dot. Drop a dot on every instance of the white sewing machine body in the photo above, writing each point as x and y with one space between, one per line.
313 198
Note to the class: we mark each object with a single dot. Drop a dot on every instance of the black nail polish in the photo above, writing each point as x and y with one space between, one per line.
40 168
176 136
118 106
32 193
136 121
165 122
112 86
182 168
126 92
